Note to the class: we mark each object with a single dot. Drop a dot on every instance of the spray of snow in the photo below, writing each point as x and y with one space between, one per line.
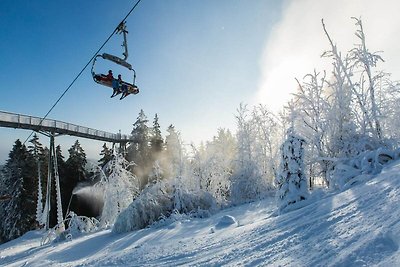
93 196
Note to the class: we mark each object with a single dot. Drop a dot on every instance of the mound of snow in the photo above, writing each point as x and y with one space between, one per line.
361 168
226 221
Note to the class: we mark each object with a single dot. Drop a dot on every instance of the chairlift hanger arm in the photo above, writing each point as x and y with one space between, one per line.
122 29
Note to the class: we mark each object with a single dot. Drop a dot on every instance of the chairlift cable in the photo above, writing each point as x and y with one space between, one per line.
83 69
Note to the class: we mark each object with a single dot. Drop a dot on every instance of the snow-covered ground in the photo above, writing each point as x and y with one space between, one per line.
358 227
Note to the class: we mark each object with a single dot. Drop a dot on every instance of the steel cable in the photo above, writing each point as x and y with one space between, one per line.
83 69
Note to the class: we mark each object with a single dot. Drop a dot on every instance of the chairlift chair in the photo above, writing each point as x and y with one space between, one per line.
104 80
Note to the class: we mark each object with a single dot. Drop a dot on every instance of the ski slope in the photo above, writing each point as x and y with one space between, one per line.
357 227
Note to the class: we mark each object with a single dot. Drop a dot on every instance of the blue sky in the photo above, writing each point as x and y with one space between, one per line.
196 61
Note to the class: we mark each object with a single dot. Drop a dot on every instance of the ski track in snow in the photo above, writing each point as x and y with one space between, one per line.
358 227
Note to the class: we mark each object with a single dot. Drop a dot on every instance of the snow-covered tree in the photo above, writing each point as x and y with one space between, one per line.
18 214
266 130
156 150
291 181
367 87
120 187
156 140
160 201
212 165
156 173
342 115
312 107
197 163
391 112
173 153
36 149
139 148
354 72
247 180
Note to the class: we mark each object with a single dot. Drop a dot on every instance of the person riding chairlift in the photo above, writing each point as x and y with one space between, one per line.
124 89
119 86
115 85
110 76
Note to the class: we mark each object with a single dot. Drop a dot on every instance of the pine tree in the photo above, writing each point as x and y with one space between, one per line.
76 162
74 172
139 149
60 161
106 154
291 181
40 153
37 150
63 174
173 151
18 213
156 141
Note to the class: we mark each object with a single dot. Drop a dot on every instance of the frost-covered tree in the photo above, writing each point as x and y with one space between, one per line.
341 126
312 108
366 87
247 180
156 173
244 136
291 181
156 150
355 72
212 165
161 201
391 112
120 187
173 153
341 115
266 130
18 214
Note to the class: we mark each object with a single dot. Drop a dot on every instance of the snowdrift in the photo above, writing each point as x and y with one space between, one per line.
347 172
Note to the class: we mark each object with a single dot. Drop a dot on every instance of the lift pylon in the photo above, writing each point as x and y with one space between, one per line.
52 175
